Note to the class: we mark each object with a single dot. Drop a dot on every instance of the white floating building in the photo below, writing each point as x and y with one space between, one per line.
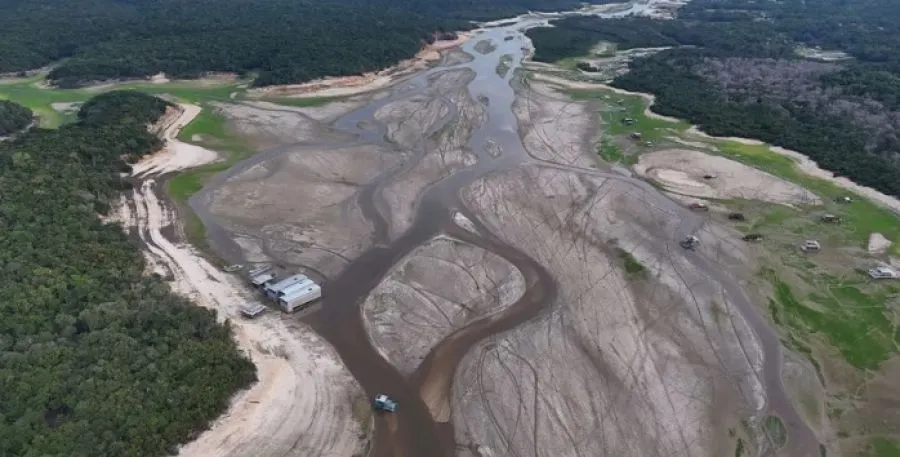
293 292
299 297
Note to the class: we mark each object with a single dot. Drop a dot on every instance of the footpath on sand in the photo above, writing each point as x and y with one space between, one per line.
299 373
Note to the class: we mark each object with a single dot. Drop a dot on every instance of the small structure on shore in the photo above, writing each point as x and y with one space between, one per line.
293 292
261 279
252 310
810 246
882 273
830 218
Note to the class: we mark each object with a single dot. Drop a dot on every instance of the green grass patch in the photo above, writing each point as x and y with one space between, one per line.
619 108
305 102
568 63
739 448
853 322
633 267
861 217
884 447
613 154
213 128
775 431
27 92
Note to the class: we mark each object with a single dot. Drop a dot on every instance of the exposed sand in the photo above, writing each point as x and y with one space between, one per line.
302 203
438 288
298 371
878 244
555 126
159 78
176 155
588 85
65 107
804 163
616 368
353 85
681 171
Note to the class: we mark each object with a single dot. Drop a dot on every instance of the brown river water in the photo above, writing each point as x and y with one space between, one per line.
412 432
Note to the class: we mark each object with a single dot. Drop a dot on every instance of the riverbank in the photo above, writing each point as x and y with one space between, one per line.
802 162
297 370
354 85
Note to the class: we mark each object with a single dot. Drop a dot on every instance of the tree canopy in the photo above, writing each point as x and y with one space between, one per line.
280 41
13 117
750 69
96 358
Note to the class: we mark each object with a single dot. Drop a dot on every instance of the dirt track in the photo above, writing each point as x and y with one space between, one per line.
298 372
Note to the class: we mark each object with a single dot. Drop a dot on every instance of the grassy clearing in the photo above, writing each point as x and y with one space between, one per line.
884 447
862 216
213 129
613 154
622 107
854 322
27 92
775 431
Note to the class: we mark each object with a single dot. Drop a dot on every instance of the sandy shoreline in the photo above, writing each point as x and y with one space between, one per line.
298 371
368 82
803 163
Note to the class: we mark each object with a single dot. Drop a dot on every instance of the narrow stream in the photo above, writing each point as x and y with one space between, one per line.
412 432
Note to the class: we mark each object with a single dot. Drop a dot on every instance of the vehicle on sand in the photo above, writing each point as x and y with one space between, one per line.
690 242
698 206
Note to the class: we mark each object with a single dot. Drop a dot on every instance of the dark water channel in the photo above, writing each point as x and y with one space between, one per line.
412 432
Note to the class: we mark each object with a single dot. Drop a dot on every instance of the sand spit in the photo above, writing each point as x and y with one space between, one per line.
368 82
698 174
439 287
176 155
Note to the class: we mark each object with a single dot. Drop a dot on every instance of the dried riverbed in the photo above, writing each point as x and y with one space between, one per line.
472 255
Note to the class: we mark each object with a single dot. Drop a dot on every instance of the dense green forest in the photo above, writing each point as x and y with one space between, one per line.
749 69
96 359
280 41
13 117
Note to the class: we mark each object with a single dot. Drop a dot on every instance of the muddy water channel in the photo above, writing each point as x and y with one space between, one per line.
413 431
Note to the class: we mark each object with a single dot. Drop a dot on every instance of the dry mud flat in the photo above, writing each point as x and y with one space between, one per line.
435 127
553 127
682 171
301 207
438 288
657 366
